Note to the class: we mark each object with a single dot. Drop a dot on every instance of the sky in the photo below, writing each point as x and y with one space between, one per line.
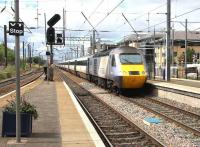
104 15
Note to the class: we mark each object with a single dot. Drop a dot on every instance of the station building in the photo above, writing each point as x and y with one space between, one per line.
154 48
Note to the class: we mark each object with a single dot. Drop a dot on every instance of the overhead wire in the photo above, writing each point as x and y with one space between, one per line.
91 13
19 18
172 18
95 9
143 14
109 13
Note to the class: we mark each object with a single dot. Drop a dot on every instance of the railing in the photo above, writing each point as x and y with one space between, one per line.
176 71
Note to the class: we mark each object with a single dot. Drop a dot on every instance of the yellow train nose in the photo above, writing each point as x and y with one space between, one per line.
133 81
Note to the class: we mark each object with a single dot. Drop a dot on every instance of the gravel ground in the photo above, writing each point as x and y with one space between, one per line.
168 133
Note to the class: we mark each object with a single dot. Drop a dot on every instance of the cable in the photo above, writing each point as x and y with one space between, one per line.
187 22
92 12
143 14
86 19
129 24
19 18
172 18
148 12
109 13
196 29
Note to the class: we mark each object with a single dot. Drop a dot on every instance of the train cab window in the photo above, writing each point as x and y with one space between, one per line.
130 58
113 63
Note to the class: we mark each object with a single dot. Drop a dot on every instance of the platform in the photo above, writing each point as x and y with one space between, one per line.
61 122
180 90
179 84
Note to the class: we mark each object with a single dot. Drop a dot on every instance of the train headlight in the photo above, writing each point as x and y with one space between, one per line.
123 72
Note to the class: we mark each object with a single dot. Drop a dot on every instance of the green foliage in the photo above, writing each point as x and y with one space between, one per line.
190 53
10 53
25 107
2 76
7 72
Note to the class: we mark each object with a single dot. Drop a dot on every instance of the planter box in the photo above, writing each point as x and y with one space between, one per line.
9 124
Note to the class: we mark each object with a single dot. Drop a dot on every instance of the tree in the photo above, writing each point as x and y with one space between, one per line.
38 60
11 57
190 53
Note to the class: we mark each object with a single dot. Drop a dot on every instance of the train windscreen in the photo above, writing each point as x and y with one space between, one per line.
127 58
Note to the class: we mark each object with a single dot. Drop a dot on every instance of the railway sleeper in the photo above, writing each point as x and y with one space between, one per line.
108 123
113 122
117 130
109 126
136 144
128 139
106 117
123 134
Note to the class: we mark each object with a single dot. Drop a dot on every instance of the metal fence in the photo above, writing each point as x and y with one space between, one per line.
158 71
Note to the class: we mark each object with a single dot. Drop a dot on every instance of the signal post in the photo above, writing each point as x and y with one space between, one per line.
51 41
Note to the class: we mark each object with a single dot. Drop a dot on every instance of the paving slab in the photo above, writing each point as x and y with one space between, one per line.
46 129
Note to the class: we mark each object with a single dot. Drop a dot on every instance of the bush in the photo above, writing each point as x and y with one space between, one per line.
25 107
2 76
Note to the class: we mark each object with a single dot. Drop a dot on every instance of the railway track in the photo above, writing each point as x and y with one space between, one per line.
114 128
7 86
187 120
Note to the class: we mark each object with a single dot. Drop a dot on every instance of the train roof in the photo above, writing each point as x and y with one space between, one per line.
123 49
76 59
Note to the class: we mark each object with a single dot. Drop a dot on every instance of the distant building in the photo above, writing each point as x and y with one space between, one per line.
105 45
146 42
154 48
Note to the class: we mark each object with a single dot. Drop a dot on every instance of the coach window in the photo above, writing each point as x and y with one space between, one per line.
113 61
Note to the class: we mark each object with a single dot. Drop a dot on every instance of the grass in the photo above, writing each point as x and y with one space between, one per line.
9 71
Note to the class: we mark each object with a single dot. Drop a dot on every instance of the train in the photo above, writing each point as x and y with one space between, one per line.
116 69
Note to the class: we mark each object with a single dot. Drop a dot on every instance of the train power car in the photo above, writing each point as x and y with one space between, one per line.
116 69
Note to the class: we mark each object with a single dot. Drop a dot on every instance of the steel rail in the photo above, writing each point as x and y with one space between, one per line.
6 88
175 108
9 81
192 130
128 121
96 126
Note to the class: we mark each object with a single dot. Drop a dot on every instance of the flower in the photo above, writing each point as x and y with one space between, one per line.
25 107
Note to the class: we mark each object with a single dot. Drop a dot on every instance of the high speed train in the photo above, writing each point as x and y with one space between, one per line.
115 69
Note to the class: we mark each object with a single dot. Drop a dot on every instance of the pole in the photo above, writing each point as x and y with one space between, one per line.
29 53
47 66
148 23
82 49
23 55
186 48
51 55
77 52
5 45
37 16
154 60
45 27
17 66
63 26
168 40
172 60
25 60
32 53
93 41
